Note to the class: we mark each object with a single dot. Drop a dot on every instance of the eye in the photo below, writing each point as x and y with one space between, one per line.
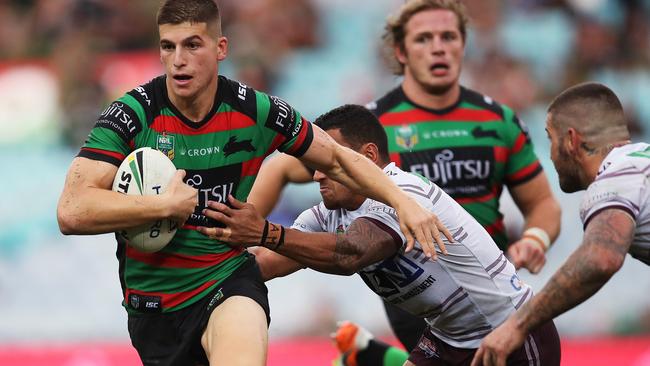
449 36
193 45
167 47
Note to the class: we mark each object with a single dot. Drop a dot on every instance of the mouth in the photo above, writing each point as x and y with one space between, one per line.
182 79
439 68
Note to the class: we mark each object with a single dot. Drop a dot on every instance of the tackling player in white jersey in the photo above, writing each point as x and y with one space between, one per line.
591 149
462 295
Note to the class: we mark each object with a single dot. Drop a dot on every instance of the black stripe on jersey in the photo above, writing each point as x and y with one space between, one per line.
93 155
529 177
309 138
481 100
144 94
388 101
239 96
282 118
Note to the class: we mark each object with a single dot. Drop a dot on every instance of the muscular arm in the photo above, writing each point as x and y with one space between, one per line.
364 243
272 264
364 177
606 242
540 209
536 202
275 173
607 239
88 205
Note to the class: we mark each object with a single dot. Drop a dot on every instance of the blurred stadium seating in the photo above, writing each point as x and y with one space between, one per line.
62 61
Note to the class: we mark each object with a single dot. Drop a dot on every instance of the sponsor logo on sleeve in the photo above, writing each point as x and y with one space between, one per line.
282 118
117 117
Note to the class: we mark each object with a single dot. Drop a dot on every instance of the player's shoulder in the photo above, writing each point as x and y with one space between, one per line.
627 160
387 102
484 102
238 96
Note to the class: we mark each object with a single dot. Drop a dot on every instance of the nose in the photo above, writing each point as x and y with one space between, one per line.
318 176
437 46
179 57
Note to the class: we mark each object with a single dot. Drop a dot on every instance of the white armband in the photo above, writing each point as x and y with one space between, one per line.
538 235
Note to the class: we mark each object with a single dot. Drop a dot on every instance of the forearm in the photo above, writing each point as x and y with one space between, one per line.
317 251
272 264
546 215
97 211
362 175
577 280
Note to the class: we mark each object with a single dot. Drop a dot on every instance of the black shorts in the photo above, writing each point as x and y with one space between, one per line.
175 338
407 327
541 348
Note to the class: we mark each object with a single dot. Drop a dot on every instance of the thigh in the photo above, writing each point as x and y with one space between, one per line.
236 333
407 327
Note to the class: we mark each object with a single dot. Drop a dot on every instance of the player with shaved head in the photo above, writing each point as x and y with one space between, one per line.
591 149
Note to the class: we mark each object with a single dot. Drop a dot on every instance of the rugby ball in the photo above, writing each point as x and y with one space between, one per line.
143 172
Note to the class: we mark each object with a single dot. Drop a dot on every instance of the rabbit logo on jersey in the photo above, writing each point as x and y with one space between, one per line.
391 276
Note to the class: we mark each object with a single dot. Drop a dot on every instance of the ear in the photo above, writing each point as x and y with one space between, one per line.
370 151
400 54
222 48
573 141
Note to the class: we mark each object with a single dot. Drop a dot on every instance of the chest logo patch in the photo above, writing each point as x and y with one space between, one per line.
407 136
234 146
165 144
479 132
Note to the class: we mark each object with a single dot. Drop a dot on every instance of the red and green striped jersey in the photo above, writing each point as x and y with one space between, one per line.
221 154
470 149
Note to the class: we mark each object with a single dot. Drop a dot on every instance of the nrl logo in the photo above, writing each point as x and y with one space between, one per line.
407 136
165 144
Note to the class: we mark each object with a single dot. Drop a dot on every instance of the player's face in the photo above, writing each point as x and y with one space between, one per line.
568 169
335 195
191 53
433 50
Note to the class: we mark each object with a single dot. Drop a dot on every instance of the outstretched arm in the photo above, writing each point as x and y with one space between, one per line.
607 239
364 177
362 244
542 215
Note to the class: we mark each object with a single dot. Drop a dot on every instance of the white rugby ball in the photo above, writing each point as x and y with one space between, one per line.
143 172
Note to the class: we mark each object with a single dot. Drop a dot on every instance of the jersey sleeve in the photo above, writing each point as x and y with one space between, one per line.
623 189
311 221
522 164
385 217
112 137
293 133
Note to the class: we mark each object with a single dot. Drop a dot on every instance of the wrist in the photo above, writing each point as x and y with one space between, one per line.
272 235
539 236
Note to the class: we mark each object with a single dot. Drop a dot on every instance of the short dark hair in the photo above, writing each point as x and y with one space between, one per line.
592 109
583 93
193 11
358 126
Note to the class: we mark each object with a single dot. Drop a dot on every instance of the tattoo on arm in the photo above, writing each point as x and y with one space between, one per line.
362 244
606 241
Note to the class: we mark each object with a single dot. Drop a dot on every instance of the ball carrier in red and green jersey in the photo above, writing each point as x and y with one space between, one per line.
221 155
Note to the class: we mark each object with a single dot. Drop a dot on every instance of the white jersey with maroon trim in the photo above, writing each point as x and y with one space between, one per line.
462 295
622 182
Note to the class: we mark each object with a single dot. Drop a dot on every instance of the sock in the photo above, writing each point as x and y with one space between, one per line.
377 354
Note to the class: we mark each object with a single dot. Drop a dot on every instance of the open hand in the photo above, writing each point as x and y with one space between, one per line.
422 225
244 225
498 345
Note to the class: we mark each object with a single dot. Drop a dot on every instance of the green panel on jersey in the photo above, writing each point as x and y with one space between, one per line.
402 107
245 186
467 105
441 134
263 107
135 105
